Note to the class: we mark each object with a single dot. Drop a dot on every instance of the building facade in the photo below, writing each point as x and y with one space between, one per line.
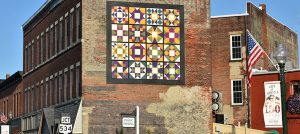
229 56
11 104
292 100
95 61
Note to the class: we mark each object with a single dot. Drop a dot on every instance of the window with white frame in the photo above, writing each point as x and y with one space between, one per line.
236 92
235 47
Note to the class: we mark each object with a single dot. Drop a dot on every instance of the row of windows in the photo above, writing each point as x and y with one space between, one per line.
57 88
58 37
31 122
13 107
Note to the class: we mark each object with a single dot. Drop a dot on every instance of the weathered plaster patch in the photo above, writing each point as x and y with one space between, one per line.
186 110
227 110
85 118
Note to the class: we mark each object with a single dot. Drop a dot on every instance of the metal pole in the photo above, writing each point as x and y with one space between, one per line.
283 92
137 127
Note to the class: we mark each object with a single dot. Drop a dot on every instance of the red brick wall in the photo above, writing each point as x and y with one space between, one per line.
104 103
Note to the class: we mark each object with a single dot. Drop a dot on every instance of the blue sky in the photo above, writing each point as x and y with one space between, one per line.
14 13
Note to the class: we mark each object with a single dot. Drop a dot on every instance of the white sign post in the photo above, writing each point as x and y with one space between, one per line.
272 107
128 122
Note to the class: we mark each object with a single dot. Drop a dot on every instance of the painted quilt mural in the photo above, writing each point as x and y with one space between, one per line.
146 42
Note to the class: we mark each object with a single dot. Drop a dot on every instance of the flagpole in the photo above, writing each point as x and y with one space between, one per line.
247 83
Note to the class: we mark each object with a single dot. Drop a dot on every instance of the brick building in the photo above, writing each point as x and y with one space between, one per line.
229 55
95 61
292 80
11 96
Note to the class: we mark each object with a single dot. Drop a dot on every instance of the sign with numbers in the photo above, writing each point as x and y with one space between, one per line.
272 106
65 128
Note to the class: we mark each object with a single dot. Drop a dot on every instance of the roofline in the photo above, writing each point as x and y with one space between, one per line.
10 79
229 15
275 72
36 13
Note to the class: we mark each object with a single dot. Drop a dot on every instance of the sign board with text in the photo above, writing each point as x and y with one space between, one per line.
65 128
272 106
128 122
65 120
5 129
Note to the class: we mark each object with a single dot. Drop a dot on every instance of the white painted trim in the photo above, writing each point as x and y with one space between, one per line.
78 5
78 64
229 15
231 58
61 18
232 103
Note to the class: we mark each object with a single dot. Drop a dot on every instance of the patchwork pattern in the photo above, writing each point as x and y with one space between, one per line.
137 15
172 35
155 70
154 16
119 51
154 52
172 71
145 43
172 53
171 17
137 52
137 33
119 69
119 15
119 33
137 70
155 34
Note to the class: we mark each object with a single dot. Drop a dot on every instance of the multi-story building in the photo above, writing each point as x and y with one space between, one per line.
11 104
96 61
229 55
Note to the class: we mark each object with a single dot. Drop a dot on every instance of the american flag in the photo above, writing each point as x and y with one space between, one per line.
3 118
254 53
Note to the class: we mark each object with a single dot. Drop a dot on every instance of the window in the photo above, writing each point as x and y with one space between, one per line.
43 48
41 95
296 87
51 91
61 34
61 87
56 38
142 49
52 43
46 93
73 81
26 59
47 44
78 79
235 47
56 89
38 50
78 22
72 26
67 30
67 84
236 92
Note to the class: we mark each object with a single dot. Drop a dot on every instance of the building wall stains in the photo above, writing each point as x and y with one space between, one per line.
186 110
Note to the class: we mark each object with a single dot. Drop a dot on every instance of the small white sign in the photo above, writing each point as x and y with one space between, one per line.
65 128
128 122
4 129
65 120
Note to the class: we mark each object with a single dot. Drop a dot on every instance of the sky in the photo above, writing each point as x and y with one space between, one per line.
14 13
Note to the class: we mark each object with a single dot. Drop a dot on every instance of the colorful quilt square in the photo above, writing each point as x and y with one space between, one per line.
119 51
172 71
137 33
119 15
137 52
119 69
137 70
119 33
154 52
171 17
172 53
155 34
155 70
172 35
154 16
137 15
